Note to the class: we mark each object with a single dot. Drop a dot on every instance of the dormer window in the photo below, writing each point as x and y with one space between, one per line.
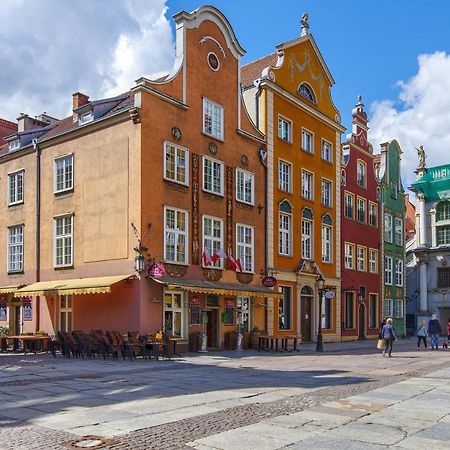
85 117
305 91
14 145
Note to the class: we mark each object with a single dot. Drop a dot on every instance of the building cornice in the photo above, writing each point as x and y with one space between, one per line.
161 95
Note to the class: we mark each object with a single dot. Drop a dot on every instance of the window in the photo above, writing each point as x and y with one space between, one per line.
284 228
15 249
65 313
394 189
213 238
373 311
244 246
173 313
284 309
349 256
399 272
195 315
212 176
327 313
361 173
388 270
387 227
176 163
326 238
349 310
85 117
398 231
307 185
348 205
327 151
398 309
245 186
14 145
361 257
443 211
307 141
284 176
443 277
15 187
373 214
307 233
284 129
63 244
326 193
388 307
175 235
373 260
243 313
63 178
443 235
361 210
305 91
212 119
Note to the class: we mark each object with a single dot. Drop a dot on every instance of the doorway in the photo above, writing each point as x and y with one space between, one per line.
362 321
211 328
306 301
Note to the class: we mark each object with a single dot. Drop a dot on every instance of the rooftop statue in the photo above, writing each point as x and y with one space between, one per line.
422 157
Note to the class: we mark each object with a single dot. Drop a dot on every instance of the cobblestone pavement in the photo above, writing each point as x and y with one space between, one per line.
168 404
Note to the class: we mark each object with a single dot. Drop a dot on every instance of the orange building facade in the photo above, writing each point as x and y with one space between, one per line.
288 95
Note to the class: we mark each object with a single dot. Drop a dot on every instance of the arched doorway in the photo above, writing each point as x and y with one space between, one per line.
306 302
362 321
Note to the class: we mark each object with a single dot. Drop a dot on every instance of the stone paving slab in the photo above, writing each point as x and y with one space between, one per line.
327 443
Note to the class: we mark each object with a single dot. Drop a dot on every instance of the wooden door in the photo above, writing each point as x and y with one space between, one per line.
362 321
211 328
306 320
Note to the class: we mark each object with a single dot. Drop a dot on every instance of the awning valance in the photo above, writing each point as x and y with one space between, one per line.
8 289
98 285
216 287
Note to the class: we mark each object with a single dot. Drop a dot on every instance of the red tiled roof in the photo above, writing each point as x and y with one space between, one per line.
252 70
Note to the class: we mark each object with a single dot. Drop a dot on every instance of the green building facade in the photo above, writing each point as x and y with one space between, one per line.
393 210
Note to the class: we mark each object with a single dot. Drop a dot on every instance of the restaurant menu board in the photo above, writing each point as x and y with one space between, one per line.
27 312
3 312
228 315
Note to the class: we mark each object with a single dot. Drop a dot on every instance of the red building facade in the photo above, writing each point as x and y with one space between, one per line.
361 242
6 128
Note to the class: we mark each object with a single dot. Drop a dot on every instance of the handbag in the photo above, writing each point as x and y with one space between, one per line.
381 344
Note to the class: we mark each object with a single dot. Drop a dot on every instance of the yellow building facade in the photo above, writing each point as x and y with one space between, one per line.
288 95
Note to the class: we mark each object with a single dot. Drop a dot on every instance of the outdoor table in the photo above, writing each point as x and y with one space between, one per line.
35 339
277 343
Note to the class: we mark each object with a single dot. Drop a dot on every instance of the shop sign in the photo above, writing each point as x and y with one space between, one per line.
269 281
329 294
156 270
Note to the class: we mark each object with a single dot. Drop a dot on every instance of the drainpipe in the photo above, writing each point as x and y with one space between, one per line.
38 227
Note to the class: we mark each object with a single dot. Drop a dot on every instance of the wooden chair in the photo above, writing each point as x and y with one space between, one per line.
134 346
116 343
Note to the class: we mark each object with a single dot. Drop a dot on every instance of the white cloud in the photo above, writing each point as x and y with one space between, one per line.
50 49
421 116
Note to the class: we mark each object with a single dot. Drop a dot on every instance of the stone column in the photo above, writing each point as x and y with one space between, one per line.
422 221
423 286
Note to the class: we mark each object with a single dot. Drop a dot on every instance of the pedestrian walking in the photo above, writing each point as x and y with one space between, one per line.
434 329
422 335
388 334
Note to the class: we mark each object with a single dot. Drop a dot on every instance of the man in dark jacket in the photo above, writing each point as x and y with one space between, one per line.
434 329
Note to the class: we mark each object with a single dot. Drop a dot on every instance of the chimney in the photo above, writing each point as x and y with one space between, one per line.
25 122
78 99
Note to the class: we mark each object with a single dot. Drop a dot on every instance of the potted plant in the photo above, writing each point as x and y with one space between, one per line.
4 331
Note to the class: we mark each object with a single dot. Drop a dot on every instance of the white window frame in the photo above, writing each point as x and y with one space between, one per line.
215 242
398 225
307 185
307 238
361 258
14 145
327 196
214 178
245 251
64 237
285 129
349 255
216 127
67 181
388 307
398 308
16 187
284 233
388 270
325 151
243 313
15 248
284 176
245 186
388 235
399 267
373 260
174 309
327 236
178 235
68 309
349 195
361 201
307 141
177 149
85 117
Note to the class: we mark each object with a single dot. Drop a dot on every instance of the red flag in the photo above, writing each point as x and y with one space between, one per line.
206 259
238 262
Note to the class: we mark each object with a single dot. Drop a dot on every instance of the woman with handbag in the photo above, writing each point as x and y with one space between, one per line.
422 335
388 334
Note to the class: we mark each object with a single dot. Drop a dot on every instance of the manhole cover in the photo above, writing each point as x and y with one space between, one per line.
92 442
88 443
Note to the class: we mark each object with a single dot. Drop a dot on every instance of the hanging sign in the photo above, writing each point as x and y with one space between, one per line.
269 281
156 270
329 294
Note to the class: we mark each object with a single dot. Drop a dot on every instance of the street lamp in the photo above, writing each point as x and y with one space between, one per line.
320 284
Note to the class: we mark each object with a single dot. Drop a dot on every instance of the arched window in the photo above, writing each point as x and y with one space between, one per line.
443 211
285 228
285 207
327 237
306 290
305 91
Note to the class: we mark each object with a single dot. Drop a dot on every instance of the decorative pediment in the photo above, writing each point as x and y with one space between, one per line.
307 266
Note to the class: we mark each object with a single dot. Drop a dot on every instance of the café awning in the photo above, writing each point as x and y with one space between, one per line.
216 287
8 289
97 285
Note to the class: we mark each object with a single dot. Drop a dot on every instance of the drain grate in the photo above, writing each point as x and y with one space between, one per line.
90 442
